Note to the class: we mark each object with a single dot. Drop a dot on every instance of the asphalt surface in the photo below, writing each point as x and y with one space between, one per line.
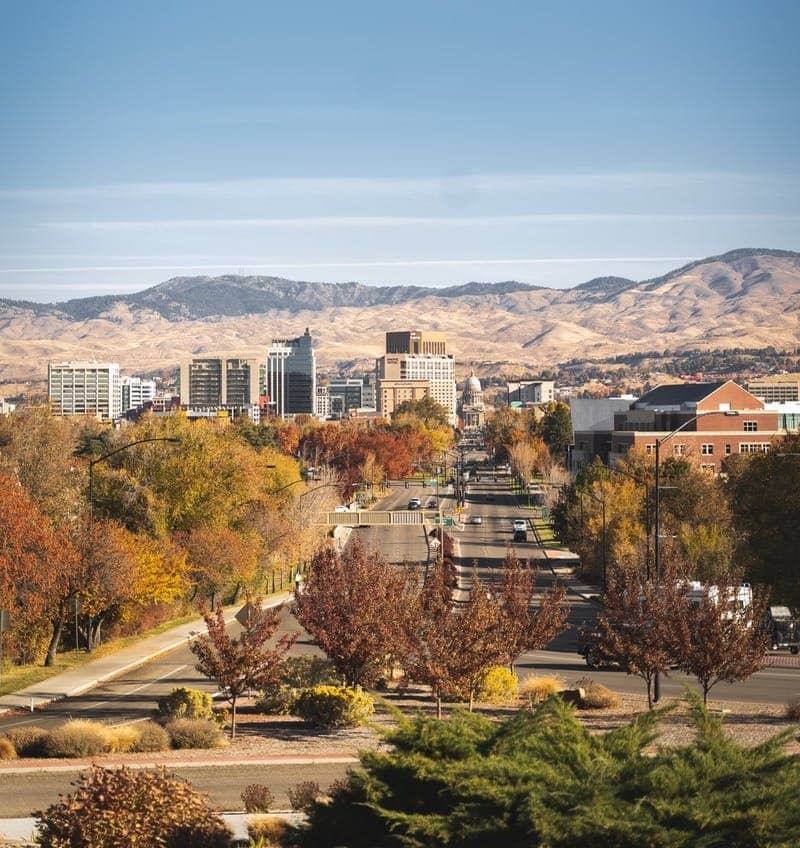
21 794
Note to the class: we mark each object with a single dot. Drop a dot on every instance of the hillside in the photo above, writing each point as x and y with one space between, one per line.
745 298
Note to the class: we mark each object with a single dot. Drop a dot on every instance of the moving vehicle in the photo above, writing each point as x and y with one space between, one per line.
520 524
415 503
475 519
520 536
783 628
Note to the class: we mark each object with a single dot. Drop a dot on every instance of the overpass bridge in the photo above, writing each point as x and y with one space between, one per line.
375 518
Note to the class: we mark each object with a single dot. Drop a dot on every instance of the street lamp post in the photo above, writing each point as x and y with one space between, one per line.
657 517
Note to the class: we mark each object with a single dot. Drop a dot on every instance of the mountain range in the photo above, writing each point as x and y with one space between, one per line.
744 298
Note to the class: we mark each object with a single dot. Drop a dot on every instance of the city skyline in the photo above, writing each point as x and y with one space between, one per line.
439 145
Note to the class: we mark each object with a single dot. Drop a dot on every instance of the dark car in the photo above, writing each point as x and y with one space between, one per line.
520 536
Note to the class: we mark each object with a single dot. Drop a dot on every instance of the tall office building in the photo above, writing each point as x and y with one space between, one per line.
345 394
136 392
416 357
292 376
219 382
85 388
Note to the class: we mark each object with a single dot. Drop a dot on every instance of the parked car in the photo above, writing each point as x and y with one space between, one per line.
475 519
415 503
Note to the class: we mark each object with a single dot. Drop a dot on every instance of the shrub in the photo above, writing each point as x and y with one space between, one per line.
534 690
499 686
186 703
7 749
123 738
596 696
195 733
278 699
78 738
334 706
152 737
125 807
268 831
306 671
29 741
303 795
793 709
257 798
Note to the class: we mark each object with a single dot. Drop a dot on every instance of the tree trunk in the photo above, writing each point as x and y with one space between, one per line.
55 638
233 717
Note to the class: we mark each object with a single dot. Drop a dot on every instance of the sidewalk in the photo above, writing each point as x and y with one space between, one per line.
76 681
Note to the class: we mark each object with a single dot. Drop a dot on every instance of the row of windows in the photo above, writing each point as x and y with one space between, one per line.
708 448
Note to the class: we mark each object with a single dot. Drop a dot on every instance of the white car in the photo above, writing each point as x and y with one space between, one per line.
415 503
475 519
520 524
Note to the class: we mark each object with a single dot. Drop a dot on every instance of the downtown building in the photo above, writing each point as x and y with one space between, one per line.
291 377
137 393
212 385
416 365
85 387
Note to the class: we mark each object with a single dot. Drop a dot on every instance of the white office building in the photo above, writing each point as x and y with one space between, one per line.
85 388
136 392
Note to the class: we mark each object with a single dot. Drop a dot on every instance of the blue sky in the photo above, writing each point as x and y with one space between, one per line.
428 143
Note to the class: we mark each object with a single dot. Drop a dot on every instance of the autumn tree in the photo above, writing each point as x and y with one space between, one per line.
35 557
450 646
556 428
351 605
717 640
504 428
426 409
635 628
528 625
765 501
241 663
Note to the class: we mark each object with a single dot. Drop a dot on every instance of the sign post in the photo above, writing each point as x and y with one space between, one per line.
4 621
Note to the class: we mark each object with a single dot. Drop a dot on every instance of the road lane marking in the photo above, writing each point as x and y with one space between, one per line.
135 690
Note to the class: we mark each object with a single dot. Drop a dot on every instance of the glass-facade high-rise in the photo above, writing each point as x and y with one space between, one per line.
292 376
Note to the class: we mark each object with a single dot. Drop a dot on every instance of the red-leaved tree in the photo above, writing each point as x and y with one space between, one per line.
528 625
352 605
714 642
245 662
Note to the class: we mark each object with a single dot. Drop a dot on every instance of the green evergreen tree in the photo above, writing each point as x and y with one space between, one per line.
542 779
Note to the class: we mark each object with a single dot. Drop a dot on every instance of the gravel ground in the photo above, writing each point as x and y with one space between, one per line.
284 737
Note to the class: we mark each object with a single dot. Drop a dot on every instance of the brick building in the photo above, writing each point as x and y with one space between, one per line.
731 421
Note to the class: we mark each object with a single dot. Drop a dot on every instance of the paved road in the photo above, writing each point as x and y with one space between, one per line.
133 696
21 794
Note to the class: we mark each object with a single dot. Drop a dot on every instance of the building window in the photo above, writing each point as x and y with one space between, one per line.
727 450
708 467
751 426
678 450
753 447
650 449
707 450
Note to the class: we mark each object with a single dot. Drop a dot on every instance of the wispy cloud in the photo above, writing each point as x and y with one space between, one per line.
397 186
387 263
351 221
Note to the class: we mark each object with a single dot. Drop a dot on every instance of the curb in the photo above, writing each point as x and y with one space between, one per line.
38 700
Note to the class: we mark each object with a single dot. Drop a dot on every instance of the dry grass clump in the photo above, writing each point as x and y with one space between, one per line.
152 737
267 831
195 733
597 696
534 690
7 749
78 738
123 738
793 709
29 741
